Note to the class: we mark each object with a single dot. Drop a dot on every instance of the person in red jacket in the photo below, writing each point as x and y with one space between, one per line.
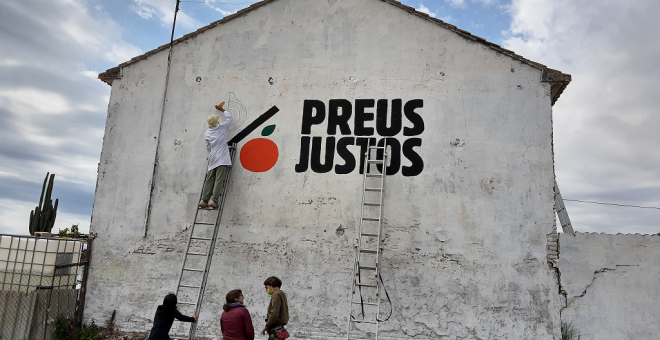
235 322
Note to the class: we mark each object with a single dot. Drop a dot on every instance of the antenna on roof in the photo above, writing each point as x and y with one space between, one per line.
160 125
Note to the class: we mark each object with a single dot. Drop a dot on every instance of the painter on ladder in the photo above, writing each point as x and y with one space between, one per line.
219 158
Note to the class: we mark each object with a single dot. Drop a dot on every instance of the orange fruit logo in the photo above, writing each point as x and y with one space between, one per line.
260 154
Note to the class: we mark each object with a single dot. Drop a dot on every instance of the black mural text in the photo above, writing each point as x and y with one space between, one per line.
359 124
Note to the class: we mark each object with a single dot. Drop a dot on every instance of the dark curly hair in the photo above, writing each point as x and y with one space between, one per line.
273 281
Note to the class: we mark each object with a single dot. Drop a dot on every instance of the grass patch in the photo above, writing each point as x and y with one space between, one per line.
569 332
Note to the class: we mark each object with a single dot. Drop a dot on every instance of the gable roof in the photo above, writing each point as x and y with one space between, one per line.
558 79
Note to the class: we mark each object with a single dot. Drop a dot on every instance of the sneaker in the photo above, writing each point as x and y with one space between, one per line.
213 204
203 204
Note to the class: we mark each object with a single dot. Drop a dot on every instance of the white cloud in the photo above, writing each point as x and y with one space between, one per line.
426 10
33 102
164 12
456 3
145 11
120 52
219 10
52 107
93 75
448 19
15 216
10 62
486 2
606 121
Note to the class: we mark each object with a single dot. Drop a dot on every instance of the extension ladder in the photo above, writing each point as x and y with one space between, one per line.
368 247
560 208
199 252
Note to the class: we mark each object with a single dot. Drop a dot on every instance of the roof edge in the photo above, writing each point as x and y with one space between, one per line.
558 79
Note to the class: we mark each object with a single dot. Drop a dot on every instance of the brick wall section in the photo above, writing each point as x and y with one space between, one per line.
553 249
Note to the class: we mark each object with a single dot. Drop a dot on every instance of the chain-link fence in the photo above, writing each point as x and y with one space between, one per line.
42 286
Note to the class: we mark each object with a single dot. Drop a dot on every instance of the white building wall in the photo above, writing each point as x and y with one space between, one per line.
465 253
611 285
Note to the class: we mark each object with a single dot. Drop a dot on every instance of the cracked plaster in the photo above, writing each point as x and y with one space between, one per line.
611 284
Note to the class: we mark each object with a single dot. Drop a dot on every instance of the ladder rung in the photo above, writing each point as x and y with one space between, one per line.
368 251
378 175
375 161
200 254
370 235
371 219
372 204
366 303
365 285
179 338
194 270
205 223
186 286
376 147
187 303
368 268
201 238
373 189
364 321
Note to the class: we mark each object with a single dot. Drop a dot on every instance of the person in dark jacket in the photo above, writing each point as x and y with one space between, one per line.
235 322
165 315
278 308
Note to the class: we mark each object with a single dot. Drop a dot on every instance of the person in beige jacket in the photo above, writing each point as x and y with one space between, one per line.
278 308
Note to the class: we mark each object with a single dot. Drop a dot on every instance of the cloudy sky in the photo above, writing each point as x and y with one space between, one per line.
606 125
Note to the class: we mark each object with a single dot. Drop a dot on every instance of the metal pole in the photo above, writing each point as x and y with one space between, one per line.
80 305
160 125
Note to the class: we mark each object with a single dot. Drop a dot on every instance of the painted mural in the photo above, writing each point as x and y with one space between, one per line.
347 124
338 116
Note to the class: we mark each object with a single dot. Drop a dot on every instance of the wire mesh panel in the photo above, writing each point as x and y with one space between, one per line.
40 281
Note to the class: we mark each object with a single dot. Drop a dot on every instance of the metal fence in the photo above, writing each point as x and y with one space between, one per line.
42 286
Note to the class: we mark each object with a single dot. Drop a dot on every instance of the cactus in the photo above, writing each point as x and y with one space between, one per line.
42 218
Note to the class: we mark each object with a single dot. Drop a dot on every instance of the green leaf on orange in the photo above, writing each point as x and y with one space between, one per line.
268 130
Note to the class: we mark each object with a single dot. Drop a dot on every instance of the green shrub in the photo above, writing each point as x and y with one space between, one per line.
90 332
85 332
62 327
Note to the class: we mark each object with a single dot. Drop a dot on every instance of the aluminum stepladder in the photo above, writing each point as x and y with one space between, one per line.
560 208
192 279
369 244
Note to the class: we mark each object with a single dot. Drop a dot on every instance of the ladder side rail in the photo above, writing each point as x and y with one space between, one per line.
564 220
358 246
185 257
192 231
352 293
215 235
560 209
367 157
380 235
202 288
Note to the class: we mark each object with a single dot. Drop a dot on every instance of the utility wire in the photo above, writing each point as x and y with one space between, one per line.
618 205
